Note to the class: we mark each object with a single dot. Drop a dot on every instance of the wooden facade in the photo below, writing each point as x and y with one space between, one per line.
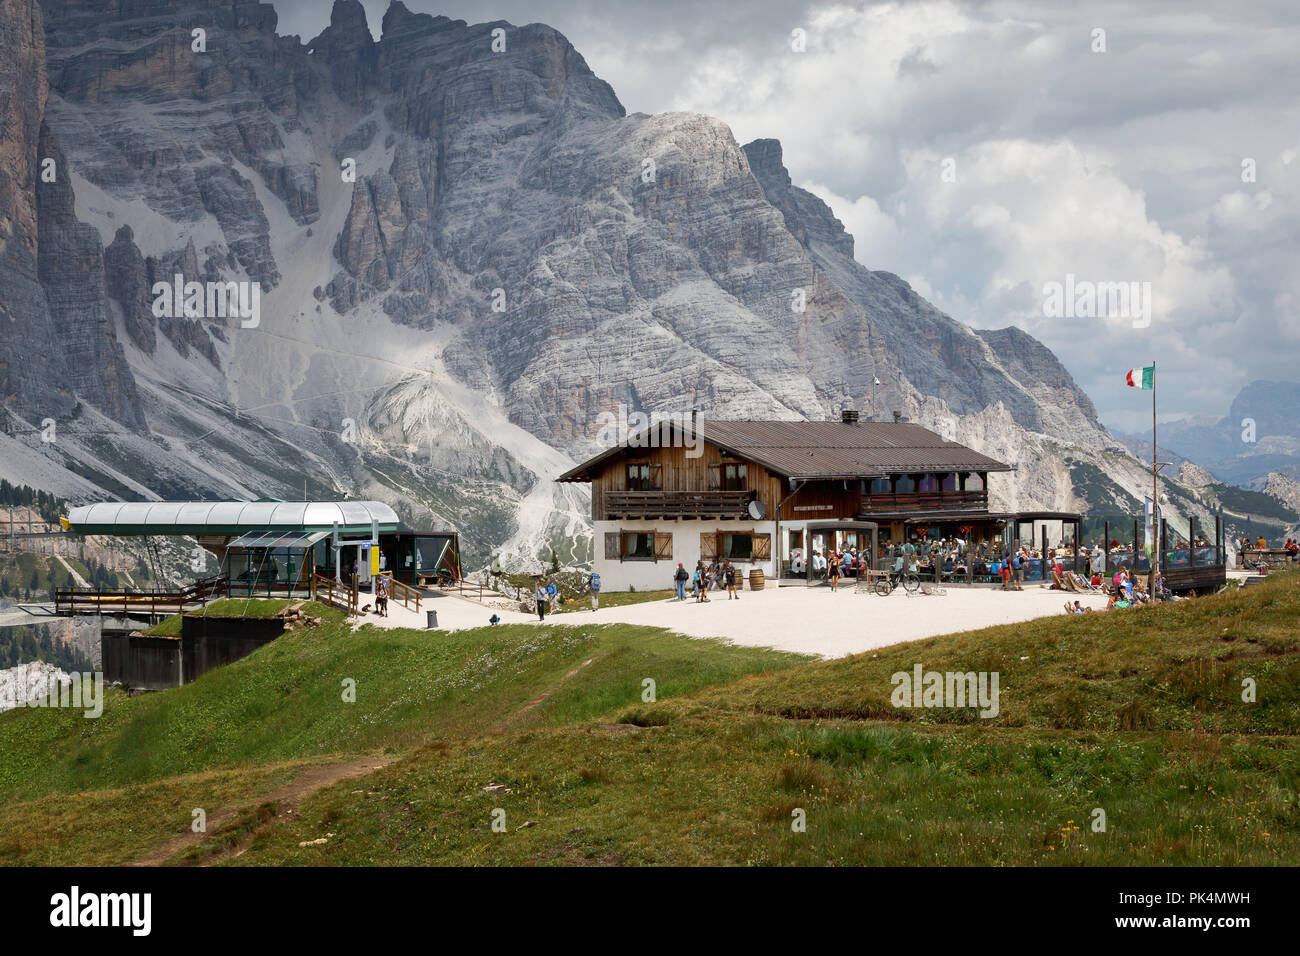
680 486
668 483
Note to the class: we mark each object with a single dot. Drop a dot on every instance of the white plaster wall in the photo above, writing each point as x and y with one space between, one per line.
657 575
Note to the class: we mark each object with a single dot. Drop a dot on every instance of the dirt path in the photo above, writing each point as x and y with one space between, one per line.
287 800
541 697
310 780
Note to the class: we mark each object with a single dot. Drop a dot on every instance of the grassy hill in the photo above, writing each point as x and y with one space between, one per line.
1136 714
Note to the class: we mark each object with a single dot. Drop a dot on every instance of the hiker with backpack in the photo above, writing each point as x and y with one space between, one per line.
680 577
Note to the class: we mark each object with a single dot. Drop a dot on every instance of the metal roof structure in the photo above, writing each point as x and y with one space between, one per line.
810 450
229 517
284 540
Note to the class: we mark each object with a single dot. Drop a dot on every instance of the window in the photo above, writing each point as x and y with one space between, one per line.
725 545
737 547
639 545
733 477
642 476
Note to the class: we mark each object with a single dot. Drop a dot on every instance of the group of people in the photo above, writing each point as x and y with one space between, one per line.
714 576
545 594
1126 590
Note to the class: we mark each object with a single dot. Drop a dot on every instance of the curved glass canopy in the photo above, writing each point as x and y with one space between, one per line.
229 517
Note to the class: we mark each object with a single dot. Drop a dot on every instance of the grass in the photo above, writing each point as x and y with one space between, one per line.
1136 718
287 699
711 790
227 607
616 599
117 825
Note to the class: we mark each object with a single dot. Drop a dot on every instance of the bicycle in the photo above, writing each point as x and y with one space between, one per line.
886 585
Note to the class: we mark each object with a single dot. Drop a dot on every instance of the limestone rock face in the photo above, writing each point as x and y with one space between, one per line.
466 252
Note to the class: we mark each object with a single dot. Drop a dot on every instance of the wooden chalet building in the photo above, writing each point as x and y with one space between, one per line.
766 494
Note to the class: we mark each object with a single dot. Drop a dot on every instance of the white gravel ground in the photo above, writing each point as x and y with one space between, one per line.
807 620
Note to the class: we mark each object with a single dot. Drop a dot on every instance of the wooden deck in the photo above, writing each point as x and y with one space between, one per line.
83 601
1199 578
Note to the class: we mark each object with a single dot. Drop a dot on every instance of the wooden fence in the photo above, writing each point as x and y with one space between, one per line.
328 591
400 591
73 601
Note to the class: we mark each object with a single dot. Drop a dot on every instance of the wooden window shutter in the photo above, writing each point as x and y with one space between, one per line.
613 546
663 545
708 546
762 547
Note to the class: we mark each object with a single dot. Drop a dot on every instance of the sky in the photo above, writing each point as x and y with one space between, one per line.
997 154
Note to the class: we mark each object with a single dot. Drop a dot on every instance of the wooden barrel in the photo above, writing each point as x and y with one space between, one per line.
756 579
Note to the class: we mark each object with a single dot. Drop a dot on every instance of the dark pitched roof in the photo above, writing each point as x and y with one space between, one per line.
799 449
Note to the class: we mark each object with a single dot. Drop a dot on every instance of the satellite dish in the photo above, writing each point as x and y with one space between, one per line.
757 510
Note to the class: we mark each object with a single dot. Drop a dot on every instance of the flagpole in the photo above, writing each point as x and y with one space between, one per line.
1155 498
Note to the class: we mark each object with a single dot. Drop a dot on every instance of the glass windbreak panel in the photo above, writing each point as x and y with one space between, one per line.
929 483
429 551
974 482
880 486
904 484
949 482
639 544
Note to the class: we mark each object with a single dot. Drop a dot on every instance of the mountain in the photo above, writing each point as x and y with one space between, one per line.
463 250
1260 434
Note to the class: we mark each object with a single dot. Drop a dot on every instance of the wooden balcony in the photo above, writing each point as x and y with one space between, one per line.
677 504
924 501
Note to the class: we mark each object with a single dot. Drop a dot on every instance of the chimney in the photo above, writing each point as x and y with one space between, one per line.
849 417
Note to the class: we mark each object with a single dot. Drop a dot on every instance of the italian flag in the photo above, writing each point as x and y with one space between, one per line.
1141 377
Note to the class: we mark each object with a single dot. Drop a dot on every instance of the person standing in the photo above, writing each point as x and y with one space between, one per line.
680 577
729 573
541 598
595 590
1018 571
552 595
834 572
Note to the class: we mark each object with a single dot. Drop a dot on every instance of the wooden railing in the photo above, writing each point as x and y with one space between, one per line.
918 500
401 591
341 595
100 601
649 504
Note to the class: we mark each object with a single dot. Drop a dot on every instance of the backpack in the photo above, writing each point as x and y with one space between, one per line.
1015 563
681 575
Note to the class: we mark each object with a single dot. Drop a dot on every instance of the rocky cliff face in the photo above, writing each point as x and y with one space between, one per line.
466 251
